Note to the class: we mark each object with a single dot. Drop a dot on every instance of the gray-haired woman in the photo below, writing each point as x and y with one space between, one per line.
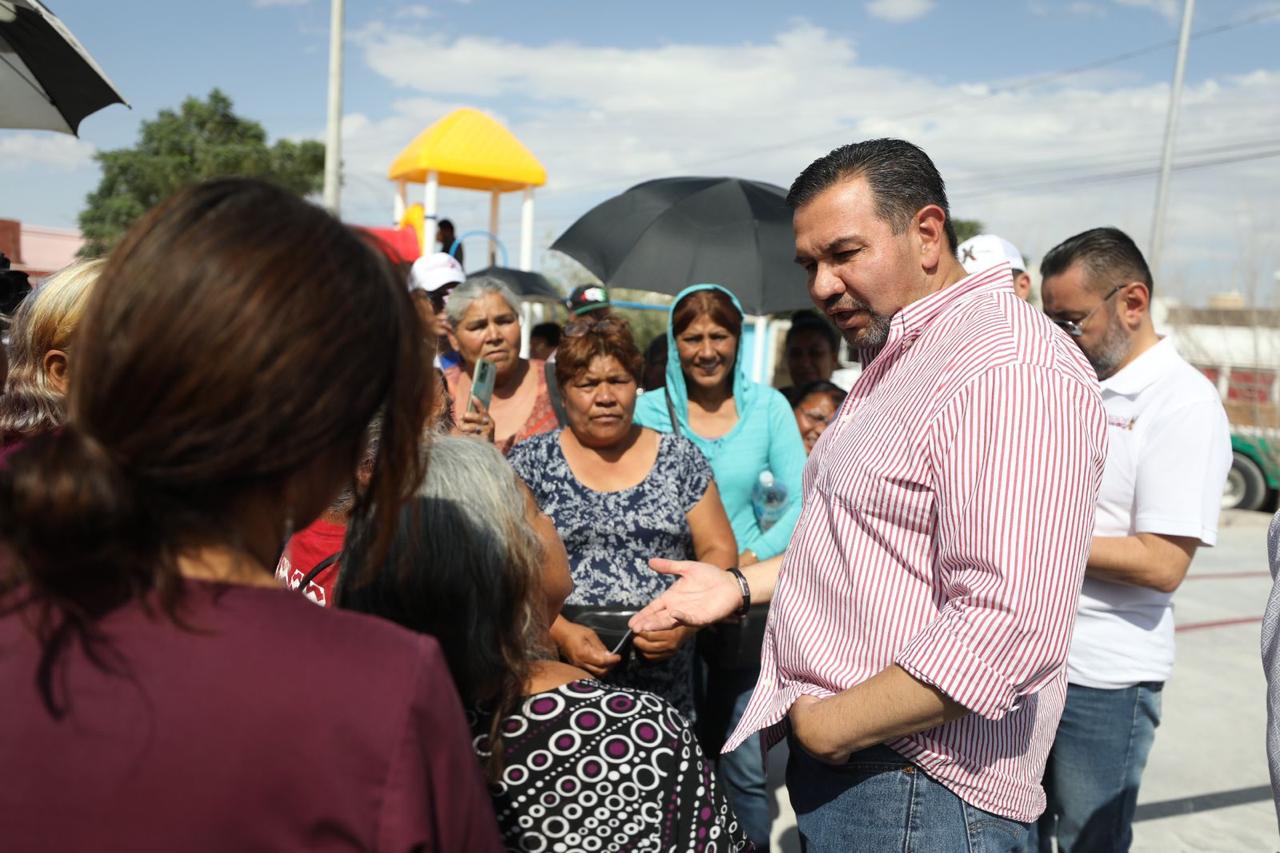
572 763
484 323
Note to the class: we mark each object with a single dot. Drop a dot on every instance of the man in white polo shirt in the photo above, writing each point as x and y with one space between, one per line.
1169 452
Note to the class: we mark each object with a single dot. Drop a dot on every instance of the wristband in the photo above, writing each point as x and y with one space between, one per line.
745 589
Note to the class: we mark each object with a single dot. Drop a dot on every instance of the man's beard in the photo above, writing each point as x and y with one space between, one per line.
1109 352
873 335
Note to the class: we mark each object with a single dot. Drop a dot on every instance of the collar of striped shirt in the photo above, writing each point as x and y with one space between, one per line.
946 520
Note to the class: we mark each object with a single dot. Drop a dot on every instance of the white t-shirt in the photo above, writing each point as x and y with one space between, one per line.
1169 450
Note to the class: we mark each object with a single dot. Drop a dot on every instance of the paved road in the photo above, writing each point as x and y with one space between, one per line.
1206 786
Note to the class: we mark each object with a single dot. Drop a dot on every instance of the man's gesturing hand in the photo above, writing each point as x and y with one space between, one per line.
701 595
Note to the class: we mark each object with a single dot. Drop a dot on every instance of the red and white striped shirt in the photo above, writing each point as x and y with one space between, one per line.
947 518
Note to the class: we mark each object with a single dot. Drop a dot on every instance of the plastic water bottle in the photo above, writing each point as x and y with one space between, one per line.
769 499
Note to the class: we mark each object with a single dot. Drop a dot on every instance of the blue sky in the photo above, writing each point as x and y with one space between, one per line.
608 94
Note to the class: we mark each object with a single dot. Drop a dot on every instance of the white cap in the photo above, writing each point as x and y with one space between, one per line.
987 250
432 272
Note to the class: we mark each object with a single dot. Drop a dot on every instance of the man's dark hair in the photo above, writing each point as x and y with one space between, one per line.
549 332
445 223
1109 256
901 176
14 286
808 320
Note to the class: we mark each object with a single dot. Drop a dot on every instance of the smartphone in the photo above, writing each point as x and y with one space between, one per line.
482 384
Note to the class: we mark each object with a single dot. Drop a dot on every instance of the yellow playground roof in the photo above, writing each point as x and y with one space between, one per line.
469 150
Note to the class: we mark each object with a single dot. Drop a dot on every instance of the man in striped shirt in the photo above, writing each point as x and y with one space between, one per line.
916 648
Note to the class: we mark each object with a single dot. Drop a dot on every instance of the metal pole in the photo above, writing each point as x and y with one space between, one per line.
430 198
761 334
401 203
333 136
1170 130
526 230
495 199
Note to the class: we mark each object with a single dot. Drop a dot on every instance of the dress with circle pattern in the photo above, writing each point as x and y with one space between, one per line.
590 767
610 537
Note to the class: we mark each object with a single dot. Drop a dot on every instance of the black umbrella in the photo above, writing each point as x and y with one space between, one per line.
527 285
665 235
48 81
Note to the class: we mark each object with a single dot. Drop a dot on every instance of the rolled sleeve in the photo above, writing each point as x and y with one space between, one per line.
1017 460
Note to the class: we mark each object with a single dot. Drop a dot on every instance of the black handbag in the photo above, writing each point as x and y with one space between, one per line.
609 623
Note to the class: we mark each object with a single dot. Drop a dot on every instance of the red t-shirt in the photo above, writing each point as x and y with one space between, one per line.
262 724
307 549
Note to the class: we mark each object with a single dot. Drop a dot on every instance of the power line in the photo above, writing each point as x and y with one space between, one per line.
1128 174
1031 82
1017 177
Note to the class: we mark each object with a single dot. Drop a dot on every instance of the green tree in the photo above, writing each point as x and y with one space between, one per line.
966 228
202 140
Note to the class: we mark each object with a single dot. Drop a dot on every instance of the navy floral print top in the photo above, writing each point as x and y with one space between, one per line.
610 537
588 767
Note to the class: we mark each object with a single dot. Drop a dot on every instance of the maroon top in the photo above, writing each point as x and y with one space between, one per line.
272 725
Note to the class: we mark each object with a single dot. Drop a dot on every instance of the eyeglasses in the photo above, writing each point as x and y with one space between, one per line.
1075 328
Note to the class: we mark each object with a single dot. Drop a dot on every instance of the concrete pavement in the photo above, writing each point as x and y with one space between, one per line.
1206 787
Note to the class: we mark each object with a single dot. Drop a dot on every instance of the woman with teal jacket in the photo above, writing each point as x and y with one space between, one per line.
744 429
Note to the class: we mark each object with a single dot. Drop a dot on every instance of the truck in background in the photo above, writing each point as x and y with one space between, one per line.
1238 349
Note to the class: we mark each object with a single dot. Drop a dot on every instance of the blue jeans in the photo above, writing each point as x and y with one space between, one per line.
1095 768
880 801
742 771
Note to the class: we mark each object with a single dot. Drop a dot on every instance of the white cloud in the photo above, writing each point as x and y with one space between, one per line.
264 4
898 11
1086 10
1170 9
56 151
416 12
1036 164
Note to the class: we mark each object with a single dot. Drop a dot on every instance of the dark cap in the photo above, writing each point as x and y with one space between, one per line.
586 298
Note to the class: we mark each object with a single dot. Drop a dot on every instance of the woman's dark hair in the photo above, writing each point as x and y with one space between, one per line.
712 303
806 320
821 386
236 336
465 567
589 338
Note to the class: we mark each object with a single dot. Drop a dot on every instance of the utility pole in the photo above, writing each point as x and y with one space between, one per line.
1170 131
333 133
